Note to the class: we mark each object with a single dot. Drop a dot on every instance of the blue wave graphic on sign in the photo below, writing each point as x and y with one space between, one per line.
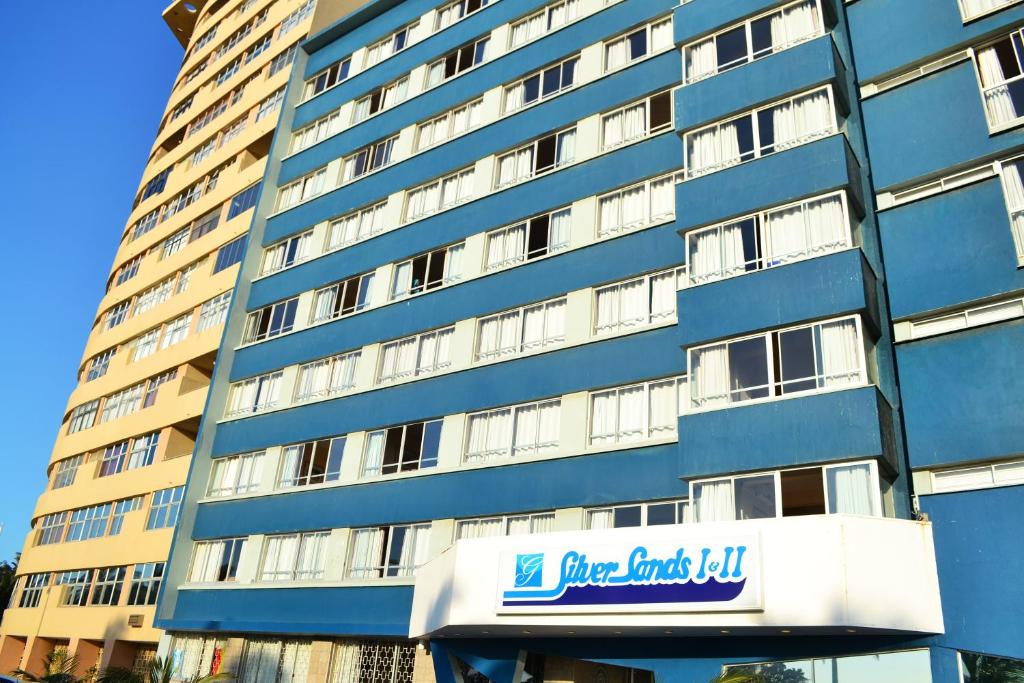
711 591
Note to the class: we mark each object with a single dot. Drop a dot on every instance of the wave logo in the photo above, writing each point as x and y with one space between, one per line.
529 570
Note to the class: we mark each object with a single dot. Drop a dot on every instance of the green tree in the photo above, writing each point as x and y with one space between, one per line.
8 571
737 676
987 669
59 666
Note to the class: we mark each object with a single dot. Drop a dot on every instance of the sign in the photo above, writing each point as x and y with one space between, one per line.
661 575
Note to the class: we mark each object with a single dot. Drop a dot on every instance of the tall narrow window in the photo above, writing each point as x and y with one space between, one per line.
768 239
402 449
66 470
1001 70
533 238
774 128
107 588
348 296
636 303
541 156
759 37
164 508
1013 189
145 584
530 429
427 271
797 360
415 356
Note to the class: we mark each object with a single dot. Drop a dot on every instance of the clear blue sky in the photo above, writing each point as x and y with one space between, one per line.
82 88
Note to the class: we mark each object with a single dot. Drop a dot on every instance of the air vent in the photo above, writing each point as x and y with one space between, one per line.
135 620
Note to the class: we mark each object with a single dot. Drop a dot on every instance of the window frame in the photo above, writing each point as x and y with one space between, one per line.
522 347
536 447
558 138
620 326
648 28
619 438
681 510
400 465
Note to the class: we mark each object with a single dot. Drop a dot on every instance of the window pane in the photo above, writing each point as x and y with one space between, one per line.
748 369
755 497
627 516
796 351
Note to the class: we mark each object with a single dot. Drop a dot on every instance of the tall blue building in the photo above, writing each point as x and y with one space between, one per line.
623 340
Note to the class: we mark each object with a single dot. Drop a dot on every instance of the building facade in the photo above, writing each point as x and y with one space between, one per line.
601 340
92 564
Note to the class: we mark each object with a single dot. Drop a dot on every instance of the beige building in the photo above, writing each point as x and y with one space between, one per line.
101 531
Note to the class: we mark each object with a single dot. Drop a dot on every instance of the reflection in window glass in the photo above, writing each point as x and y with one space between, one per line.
912 666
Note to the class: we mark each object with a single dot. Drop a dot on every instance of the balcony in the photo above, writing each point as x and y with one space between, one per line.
822 575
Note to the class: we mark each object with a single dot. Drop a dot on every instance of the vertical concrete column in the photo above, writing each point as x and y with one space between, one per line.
423 667
32 658
231 656
320 661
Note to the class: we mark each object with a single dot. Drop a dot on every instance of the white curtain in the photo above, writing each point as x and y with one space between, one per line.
661 35
972 8
527 30
614 133
514 97
713 148
310 562
279 560
609 214
549 426
701 60
663 296
631 414
633 206
710 373
566 151
374 457
480 528
804 118
794 24
558 229
1013 187
205 562
343 369
603 417
826 225
533 327
664 413
607 309
850 490
367 545
554 322
663 199
290 468
487 337
453 263
601 519
714 501
525 433
616 54
785 238
840 352
633 303
634 123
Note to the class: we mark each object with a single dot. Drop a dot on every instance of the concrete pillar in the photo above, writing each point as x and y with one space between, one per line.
88 653
231 657
423 667
35 649
319 661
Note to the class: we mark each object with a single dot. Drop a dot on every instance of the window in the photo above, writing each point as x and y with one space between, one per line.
636 515
145 583
154 384
243 201
638 206
555 16
389 551
394 43
164 509
348 296
128 270
977 668
214 312
32 589
124 402
195 657
311 463
368 159
302 189
76 585
294 557
113 459
237 474
768 239
415 356
145 224
538 157
402 449
328 78
978 477
107 589
51 528
145 344
83 416
759 37
529 429
774 128
319 130
282 60
427 271
326 377
116 315
204 225
457 61
215 561
159 181
254 395
635 413
296 17
176 330
66 470
638 120
637 44
275 661
154 296
230 254
1012 174
453 11
380 661
634 304
99 364
174 243
508 525
797 360
268 106
380 99
1001 70
286 253
143 451
440 194
521 330
270 321
449 125
912 666
178 203
356 227
203 152
847 488
121 508
542 84
533 238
